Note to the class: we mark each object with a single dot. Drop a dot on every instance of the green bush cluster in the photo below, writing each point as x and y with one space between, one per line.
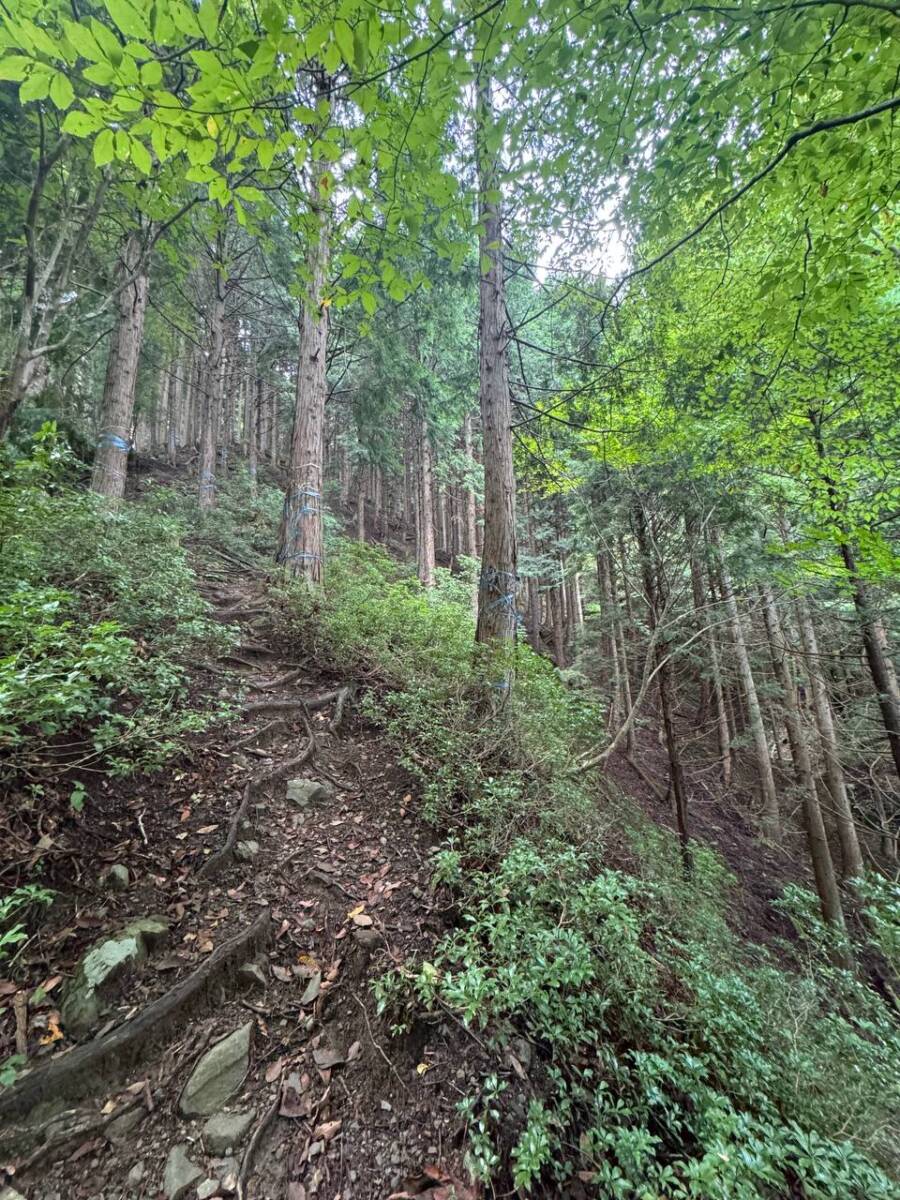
97 606
672 1059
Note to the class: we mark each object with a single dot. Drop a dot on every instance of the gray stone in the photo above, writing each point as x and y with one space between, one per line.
209 1187
218 1074
10 1193
225 1131
226 1169
106 961
119 1128
180 1174
246 851
304 792
251 974
367 937
117 878
135 1175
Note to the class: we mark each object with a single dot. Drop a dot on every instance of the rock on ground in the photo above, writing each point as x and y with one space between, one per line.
218 1074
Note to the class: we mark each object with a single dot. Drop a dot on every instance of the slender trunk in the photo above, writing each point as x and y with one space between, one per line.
471 540
656 600
625 700
210 384
819 850
558 619
497 584
114 442
173 412
770 813
851 854
255 400
874 640
361 507
425 507
301 546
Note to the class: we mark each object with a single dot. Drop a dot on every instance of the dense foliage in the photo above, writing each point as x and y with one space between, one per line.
99 610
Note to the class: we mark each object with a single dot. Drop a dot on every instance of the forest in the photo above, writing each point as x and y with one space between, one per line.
449 559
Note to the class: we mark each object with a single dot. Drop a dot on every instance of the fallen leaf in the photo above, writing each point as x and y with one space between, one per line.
281 973
312 989
273 1070
327 1129
108 1107
295 1191
54 1033
354 912
363 920
423 1068
207 829
185 814
205 947
353 1052
324 1059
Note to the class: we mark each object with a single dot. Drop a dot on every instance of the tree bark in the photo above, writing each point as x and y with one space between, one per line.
210 385
425 507
114 442
874 641
771 817
496 624
819 850
301 546
851 854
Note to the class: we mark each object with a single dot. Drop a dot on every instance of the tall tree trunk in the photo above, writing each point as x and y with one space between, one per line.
656 601
210 402
174 406
471 538
301 545
361 506
874 641
425 507
819 850
851 854
114 442
497 584
255 401
771 817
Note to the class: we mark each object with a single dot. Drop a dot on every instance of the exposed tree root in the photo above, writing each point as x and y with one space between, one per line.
281 681
344 696
78 1073
222 858
258 733
275 704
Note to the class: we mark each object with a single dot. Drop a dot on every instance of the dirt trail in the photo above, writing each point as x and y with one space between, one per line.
335 1107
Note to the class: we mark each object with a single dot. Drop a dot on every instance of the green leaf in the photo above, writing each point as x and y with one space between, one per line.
14 67
369 303
140 156
36 86
265 152
343 35
208 16
82 41
151 74
128 19
81 124
201 151
61 91
104 148
251 193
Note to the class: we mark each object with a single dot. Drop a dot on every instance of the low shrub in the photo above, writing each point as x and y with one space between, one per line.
98 605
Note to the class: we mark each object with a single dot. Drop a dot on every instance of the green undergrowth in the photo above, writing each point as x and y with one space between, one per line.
98 609
670 1059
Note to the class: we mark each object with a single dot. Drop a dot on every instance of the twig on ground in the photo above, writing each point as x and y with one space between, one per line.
375 1044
